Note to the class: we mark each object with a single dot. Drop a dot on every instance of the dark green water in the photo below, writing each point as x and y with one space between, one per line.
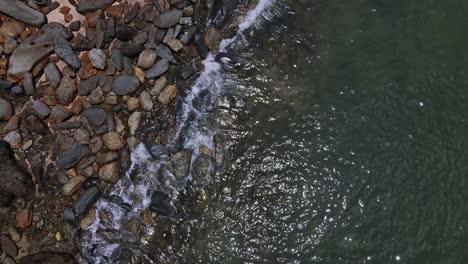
354 144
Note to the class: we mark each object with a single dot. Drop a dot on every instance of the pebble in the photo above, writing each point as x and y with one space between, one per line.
10 45
17 90
98 58
145 101
96 116
14 138
158 69
168 18
88 219
75 25
66 92
96 96
175 45
12 28
168 94
6 110
86 200
159 84
147 58
70 215
86 86
107 157
26 145
65 52
13 232
134 122
59 113
24 218
133 103
73 185
8 246
125 85
42 109
164 52
110 172
72 156
28 84
81 135
113 141
53 74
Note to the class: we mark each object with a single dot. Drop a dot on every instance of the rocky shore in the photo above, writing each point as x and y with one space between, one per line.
82 83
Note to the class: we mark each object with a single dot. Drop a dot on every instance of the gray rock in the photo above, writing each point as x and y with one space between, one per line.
145 101
180 164
87 6
70 215
159 84
65 92
5 84
116 56
168 18
59 113
131 49
53 29
128 66
9 246
165 52
96 96
22 12
125 85
53 74
95 116
146 59
72 156
10 45
6 110
75 25
100 33
86 86
98 58
110 29
66 125
157 70
81 135
27 55
17 89
65 52
86 200
41 109
28 83
188 35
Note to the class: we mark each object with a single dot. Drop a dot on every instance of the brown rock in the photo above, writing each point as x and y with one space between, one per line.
88 219
212 39
176 45
24 217
77 107
115 11
168 94
133 103
113 141
12 124
64 10
134 122
12 28
110 172
73 185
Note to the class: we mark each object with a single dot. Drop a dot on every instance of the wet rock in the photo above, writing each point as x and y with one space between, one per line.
70 215
86 86
157 70
48 258
146 58
107 157
95 116
73 185
96 96
159 84
71 157
145 101
202 48
212 39
188 35
8 246
158 151
66 92
22 12
65 52
168 18
168 94
175 45
113 141
59 113
86 200
41 109
188 70
125 85
88 219
6 110
28 84
134 122
53 74
203 168
75 25
14 138
87 6
180 164
110 172
164 52
160 204
98 58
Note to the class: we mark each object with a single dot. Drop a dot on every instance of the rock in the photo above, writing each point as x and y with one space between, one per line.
12 28
200 43
10 45
96 144
81 135
107 157
88 219
66 92
75 25
86 200
115 11
158 69
98 58
59 113
73 185
9 260
134 122
131 50
66 125
72 156
133 103
6 110
65 52
86 6
169 35
86 86
17 90
13 232
175 45
132 142
70 215
77 107
8 246
26 145
188 35
48 258
113 141
12 124
180 164
159 84
22 12
145 101
168 18
116 56
28 84
53 74
147 58
96 96
95 116
14 138
160 204
158 151
27 55
125 85
164 52
212 39
24 218
41 109
203 168
168 94
110 172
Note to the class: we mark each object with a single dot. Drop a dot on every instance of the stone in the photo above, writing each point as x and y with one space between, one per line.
72 156
164 52
10 45
86 6
13 232
9 246
28 84
107 157
147 58
70 215
27 55
158 69
86 200
24 218
88 219
22 12
168 94
203 50
86 86
131 50
81 135
96 96
119 124
187 36
75 25
14 138
9 260
59 113
177 30
17 90
66 125
116 56
95 116
111 99
133 103
113 141
77 107
41 109
53 74
125 85
66 92
12 28
98 58
65 52
6 110
73 185
169 35
115 11
212 39
132 143
12 124
202 168
175 45
159 84
110 172
134 122
168 18
26 145
160 204
180 164
145 101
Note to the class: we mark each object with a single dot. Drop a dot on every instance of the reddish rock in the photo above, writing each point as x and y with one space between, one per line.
115 11
24 217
